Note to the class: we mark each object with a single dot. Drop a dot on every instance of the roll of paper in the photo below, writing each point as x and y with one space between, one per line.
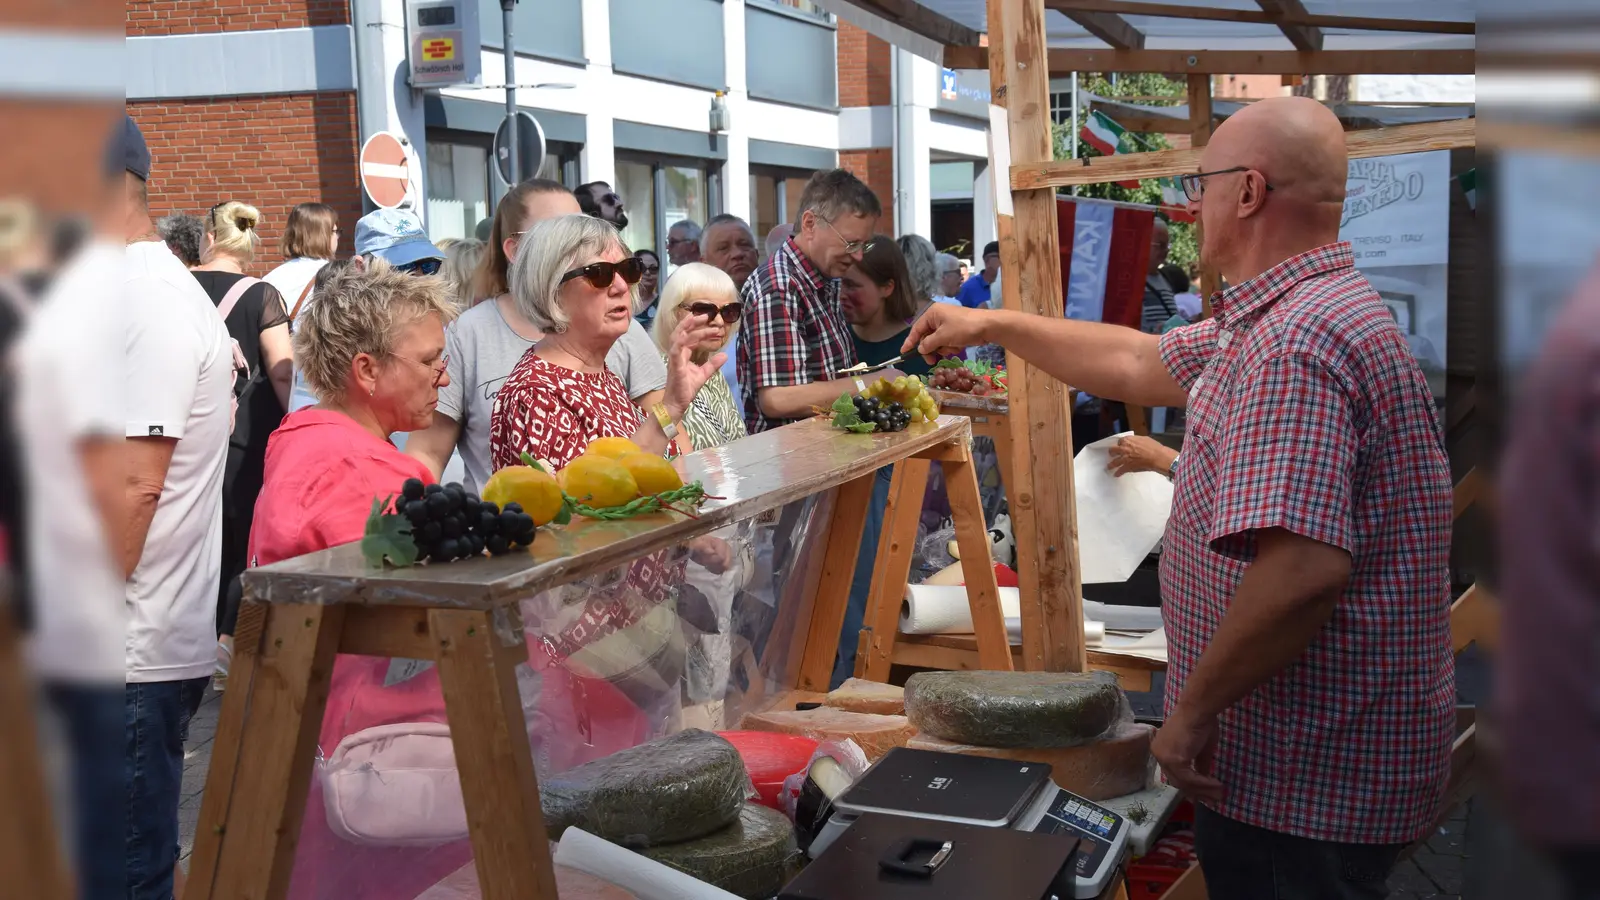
945 609
646 878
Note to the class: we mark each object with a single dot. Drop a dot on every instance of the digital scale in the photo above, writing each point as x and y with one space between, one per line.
992 793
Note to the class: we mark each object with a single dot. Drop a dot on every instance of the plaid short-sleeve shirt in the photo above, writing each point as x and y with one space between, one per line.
794 330
1308 413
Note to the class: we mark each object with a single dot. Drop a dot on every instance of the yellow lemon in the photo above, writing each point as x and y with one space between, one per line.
599 482
611 447
653 474
536 491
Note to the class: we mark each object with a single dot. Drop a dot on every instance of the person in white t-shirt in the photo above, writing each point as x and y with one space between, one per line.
178 388
310 239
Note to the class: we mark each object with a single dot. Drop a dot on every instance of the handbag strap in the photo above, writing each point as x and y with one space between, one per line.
234 293
293 313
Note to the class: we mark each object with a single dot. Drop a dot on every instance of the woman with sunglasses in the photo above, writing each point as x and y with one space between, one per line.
705 294
579 292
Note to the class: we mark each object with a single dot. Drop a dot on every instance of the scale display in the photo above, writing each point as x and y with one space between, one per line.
1072 815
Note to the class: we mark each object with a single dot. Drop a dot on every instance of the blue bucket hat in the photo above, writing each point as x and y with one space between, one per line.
395 236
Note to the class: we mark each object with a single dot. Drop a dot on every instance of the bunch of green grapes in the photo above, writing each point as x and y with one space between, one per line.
907 391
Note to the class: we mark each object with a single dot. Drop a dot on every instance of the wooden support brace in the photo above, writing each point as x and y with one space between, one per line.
881 624
833 587
30 856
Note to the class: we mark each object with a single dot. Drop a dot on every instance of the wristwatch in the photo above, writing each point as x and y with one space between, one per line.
667 428
1172 468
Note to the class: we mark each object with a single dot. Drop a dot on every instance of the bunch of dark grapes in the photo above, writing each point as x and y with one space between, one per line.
449 522
891 416
953 378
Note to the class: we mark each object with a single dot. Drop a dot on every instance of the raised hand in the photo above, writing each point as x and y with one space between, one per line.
685 377
946 330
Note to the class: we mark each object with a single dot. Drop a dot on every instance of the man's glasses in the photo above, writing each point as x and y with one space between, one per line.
730 313
601 274
850 247
1194 186
422 267
438 369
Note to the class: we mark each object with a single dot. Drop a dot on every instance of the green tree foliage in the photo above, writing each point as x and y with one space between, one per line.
1185 251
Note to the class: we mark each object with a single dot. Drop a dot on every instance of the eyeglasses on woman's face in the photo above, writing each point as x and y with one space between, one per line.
438 369
603 273
422 267
731 313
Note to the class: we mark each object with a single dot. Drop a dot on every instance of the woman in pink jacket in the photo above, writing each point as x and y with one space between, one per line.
372 350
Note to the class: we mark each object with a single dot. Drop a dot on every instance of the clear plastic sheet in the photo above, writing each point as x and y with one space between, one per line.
693 636
1016 709
846 753
665 791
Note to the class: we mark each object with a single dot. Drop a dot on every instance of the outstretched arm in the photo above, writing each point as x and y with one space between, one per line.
1104 360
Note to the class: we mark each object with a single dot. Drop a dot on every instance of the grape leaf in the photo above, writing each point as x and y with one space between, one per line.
844 406
862 427
950 363
387 537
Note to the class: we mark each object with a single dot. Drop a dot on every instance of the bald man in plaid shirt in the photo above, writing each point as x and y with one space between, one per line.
1310 698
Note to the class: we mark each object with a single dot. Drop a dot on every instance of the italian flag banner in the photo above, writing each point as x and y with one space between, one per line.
1174 202
1101 133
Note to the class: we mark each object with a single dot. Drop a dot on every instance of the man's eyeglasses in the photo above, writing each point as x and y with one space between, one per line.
601 274
1194 186
730 313
438 369
422 267
850 247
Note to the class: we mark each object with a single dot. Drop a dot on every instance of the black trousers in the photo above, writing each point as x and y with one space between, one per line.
1243 862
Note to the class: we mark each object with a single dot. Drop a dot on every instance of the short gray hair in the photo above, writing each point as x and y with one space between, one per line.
691 229
835 192
548 251
690 281
919 254
723 219
360 310
945 263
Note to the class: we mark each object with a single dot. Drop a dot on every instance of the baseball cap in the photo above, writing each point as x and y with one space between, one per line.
395 236
135 152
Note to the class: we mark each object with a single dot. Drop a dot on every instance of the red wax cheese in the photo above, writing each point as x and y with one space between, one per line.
771 757
876 735
1114 766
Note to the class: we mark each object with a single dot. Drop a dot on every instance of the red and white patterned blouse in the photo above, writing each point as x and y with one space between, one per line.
1307 412
552 413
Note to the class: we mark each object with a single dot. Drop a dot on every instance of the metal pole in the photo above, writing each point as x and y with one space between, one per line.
1072 139
506 8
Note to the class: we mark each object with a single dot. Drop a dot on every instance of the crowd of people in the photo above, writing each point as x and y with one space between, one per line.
248 420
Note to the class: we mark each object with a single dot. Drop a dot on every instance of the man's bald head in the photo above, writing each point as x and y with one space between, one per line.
1291 197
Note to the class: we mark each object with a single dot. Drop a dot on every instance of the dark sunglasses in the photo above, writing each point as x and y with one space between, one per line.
730 313
601 274
422 267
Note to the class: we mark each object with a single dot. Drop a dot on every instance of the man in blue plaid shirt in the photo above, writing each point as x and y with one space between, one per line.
795 341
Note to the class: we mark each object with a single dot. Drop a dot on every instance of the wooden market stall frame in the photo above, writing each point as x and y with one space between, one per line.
299 614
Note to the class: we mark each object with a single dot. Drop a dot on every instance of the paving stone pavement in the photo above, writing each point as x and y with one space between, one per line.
1436 872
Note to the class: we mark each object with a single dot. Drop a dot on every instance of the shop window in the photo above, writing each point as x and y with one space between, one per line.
458 189
636 186
766 208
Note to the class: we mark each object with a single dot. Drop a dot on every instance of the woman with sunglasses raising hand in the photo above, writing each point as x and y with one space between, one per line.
706 295
579 292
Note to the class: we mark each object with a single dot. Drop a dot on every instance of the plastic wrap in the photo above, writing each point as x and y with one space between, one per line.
808 795
846 753
671 789
1016 709
753 858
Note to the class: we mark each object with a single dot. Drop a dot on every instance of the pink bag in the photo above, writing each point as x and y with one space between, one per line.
241 366
395 786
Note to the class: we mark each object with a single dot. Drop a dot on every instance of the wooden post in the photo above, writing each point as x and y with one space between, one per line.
1042 505
29 854
1200 135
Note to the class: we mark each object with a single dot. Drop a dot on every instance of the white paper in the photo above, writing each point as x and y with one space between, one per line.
1000 159
646 878
1152 646
946 609
1119 519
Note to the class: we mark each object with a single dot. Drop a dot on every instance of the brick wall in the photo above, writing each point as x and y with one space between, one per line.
272 152
876 168
149 17
864 68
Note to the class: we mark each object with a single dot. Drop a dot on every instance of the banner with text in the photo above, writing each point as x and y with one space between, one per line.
1397 210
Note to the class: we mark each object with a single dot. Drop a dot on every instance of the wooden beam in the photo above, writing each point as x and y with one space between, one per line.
1240 62
1040 490
1199 136
1280 13
913 16
1423 136
1250 16
1108 27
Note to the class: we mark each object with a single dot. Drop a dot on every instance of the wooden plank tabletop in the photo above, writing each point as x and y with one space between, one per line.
749 477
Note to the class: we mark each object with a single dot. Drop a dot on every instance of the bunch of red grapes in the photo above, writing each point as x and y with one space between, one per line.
960 379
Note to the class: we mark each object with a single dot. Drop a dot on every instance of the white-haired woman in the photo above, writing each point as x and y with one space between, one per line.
578 291
705 294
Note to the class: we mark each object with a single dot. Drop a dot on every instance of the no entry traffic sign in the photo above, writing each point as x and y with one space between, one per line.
385 170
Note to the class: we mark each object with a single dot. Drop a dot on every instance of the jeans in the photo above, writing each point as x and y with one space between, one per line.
89 716
1244 862
844 665
156 726
1577 868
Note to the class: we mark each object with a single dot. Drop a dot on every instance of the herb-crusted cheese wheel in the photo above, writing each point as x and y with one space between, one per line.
753 858
1015 709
